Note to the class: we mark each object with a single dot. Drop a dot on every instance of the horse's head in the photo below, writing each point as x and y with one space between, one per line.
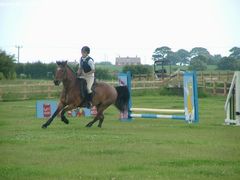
61 72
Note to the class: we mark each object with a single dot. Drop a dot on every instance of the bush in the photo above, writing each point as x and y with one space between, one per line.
102 74
1 76
138 69
13 75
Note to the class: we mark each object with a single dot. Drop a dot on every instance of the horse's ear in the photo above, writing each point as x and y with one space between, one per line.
65 63
58 63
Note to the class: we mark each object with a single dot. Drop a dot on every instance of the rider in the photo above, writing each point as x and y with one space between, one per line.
86 70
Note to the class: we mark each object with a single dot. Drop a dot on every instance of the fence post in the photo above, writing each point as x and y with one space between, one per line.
49 91
227 75
225 88
204 86
1 94
214 87
178 75
25 90
202 79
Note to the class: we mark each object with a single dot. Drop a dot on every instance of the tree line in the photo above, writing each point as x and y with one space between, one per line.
39 70
198 58
9 69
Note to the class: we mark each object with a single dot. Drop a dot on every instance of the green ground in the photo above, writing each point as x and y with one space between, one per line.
142 149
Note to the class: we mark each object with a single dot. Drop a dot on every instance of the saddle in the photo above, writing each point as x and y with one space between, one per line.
83 88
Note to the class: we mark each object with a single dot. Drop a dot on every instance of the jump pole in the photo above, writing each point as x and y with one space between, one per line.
158 110
190 101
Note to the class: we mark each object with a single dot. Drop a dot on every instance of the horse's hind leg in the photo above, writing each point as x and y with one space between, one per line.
99 116
101 121
93 121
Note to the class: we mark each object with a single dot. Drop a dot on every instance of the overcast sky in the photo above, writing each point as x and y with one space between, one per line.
50 30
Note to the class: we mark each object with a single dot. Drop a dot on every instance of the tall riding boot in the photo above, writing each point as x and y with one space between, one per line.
89 100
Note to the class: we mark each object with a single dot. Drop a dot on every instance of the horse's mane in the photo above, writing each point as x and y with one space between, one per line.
74 72
64 63
79 82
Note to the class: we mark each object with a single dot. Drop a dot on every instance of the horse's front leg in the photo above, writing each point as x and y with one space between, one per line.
67 108
49 121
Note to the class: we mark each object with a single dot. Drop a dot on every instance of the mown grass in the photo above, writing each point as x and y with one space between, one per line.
141 149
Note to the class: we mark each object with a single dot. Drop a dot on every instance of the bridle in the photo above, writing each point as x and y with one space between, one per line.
64 68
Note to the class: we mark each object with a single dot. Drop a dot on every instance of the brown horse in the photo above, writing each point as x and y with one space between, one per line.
74 90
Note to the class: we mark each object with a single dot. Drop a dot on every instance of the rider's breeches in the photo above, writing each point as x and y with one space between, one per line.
90 81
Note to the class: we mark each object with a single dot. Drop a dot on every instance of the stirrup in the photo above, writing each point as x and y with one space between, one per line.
89 105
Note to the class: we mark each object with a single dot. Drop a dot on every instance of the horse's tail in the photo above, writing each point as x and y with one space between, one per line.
123 96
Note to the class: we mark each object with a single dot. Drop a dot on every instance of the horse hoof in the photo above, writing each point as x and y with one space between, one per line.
65 120
99 126
44 126
89 125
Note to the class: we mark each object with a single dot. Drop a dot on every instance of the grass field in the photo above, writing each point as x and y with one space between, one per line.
142 149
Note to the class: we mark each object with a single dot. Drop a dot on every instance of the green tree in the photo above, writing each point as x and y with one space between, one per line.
235 53
37 70
198 63
165 56
20 68
183 56
161 53
172 58
7 66
51 68
200 51
228 63
214 59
